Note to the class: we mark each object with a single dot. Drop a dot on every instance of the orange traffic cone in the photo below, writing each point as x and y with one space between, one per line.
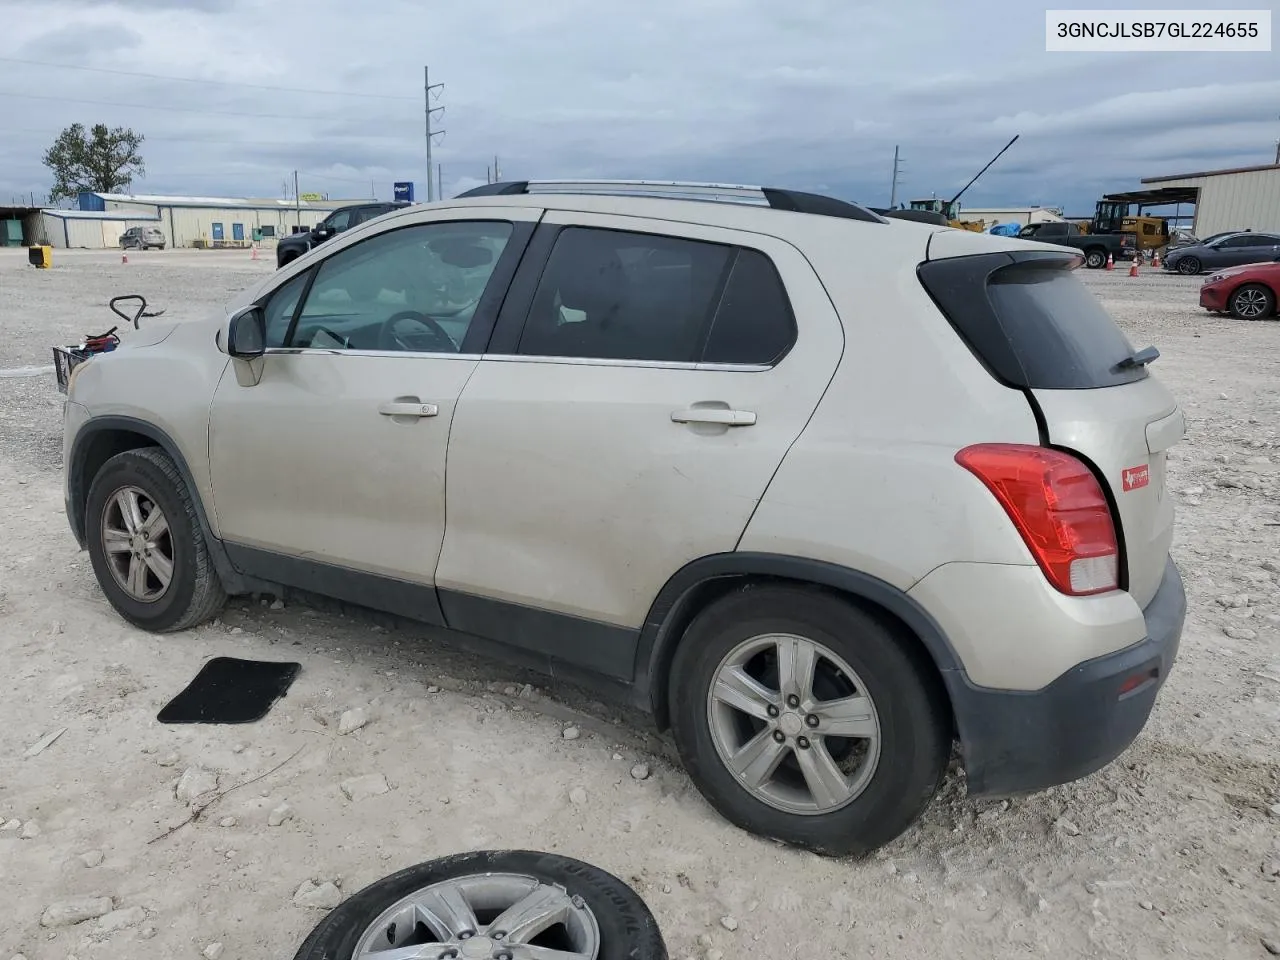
1155 260
124 258
1133 268
255 254
1111 262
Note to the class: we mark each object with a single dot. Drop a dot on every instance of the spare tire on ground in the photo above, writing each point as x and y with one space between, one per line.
496 905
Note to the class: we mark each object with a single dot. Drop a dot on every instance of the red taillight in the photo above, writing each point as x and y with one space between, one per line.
1057 505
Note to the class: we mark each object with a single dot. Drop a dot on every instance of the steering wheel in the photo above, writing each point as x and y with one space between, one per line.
389 340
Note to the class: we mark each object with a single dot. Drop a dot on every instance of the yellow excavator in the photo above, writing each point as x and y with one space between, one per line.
1112 216
950 211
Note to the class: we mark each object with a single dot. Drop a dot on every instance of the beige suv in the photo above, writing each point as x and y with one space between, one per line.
824 492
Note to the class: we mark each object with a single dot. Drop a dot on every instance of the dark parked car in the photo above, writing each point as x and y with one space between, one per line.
1248 293
344 218
1232 250
142 238
1096 247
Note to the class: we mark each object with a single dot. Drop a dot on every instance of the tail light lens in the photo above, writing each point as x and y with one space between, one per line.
1058 507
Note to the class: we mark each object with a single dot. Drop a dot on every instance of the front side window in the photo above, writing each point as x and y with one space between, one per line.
615 295
281 307
337 222
413 289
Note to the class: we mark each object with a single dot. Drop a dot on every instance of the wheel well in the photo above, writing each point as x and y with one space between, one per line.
704 594
96 450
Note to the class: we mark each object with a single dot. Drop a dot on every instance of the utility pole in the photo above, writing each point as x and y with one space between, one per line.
497 171
297 199
439 181
428 89
893 189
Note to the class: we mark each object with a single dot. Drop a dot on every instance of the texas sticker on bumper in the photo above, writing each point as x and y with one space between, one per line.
1135 477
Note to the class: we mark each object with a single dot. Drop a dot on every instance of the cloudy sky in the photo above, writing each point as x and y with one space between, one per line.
812 94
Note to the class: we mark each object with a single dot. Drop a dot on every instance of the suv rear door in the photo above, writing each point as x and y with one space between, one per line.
645 380
1038 328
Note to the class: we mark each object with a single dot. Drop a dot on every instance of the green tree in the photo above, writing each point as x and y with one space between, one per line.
101 160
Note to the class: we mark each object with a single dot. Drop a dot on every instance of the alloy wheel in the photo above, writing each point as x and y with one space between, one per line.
489 916
794 723
1250 303
137 544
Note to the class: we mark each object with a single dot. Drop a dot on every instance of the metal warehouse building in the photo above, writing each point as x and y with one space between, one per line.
1244 198
205 221
89 228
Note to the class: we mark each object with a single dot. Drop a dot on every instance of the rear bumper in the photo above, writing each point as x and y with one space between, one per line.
1016 742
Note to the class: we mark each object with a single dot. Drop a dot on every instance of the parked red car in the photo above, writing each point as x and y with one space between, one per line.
1249 292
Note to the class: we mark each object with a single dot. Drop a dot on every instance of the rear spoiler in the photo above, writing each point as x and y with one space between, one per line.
918 216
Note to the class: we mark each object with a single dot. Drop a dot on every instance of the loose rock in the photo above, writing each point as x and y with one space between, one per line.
362 788
121 919
213 951
1234 600
146 933
67 913
352 720
30 830
433 689
318 896
1067 827
1271 946
195 782
10 825
279 815
227 822
571 733
91 858
1146 905
729 923
169 760
277 604
1275 810
1240 633
577 796
640 771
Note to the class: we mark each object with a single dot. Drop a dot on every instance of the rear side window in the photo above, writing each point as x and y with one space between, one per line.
1031 321
616 295
754 324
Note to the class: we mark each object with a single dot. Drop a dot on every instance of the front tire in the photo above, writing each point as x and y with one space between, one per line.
1095 259
147 545
517 904
806 719
1253 301
1189 266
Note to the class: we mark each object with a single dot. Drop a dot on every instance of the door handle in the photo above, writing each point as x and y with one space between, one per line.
403 408
728 418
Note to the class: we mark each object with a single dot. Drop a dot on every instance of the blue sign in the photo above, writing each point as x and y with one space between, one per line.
404 190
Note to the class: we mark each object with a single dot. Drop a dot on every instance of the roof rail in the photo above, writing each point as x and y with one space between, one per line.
793 200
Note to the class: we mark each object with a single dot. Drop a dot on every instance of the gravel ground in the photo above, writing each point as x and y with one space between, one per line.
1174 849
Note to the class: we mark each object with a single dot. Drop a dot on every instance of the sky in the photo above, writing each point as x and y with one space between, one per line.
807 94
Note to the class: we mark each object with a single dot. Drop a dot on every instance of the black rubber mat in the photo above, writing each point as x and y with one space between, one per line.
227 690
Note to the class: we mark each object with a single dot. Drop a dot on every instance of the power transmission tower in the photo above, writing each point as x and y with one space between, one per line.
431 92
897 170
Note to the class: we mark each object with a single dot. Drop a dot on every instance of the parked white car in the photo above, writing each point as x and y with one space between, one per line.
822 491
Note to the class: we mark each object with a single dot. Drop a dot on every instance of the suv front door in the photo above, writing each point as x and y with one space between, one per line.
641 390
332 465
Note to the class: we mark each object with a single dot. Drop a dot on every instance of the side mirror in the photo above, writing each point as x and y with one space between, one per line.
320 232
247 333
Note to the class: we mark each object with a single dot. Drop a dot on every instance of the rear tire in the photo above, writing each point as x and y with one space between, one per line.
900 715
1095 259
147 545
1253 301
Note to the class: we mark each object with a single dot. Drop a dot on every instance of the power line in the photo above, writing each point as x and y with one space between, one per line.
225 83
156 106
223 142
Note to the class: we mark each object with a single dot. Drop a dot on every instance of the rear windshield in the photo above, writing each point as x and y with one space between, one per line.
1031 321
